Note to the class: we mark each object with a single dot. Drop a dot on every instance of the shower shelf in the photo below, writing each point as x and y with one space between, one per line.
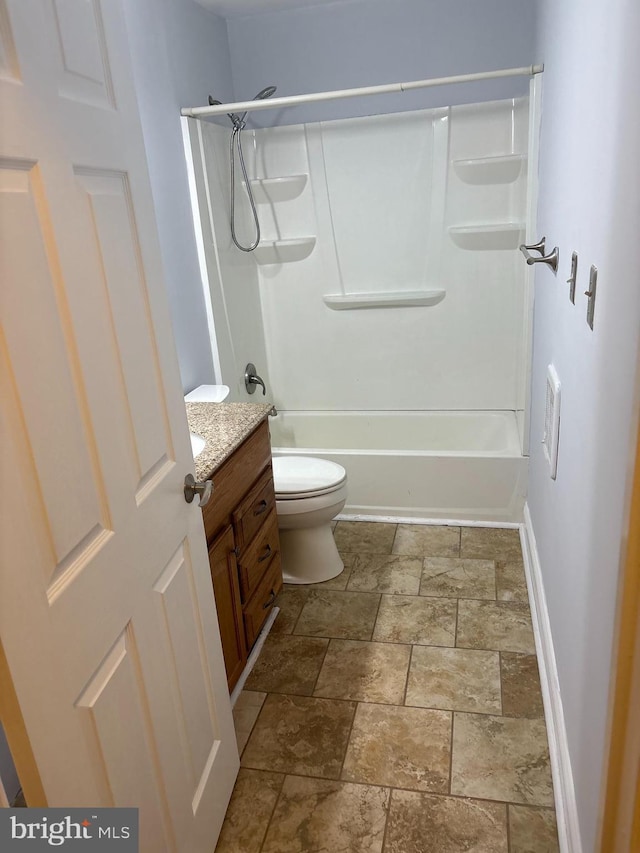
278 189
500 235
490 170
392 299
284 251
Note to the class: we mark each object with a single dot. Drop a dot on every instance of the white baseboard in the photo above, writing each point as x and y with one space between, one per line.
563 788
410 519
253 657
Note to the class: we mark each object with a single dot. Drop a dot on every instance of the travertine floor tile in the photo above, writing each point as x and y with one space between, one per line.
498 625
455 679
490 543
501 758
427 540
533 830
364 537
301 735
331 613
422 823
290 601
247 818
521 694
413 619
454 577
367 672
511 582
288 664
327 817
245 713
386 573
403 747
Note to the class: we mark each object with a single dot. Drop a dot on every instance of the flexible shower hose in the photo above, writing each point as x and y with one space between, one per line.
236 142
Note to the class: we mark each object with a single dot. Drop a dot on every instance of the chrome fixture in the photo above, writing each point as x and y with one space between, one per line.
251 379
192 488
571 281
591 294
239 124
551 259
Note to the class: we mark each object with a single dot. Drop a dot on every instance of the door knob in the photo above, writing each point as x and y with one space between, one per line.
192 488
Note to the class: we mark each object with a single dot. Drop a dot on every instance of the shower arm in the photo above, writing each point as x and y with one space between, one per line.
314 97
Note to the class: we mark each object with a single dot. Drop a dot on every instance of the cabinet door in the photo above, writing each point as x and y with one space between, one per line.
224 574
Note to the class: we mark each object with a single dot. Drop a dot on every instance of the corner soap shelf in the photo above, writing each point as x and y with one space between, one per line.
277 189
499 235
391 299
284 251
490 170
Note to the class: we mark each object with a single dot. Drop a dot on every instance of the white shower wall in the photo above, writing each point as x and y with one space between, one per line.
382 193
231 277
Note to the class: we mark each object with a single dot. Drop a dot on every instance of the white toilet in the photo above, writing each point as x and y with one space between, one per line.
310 492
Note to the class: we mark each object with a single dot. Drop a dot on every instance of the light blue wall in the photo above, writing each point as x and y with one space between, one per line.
589 180
371 42
180 53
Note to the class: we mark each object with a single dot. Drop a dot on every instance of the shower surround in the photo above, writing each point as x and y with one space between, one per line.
387 280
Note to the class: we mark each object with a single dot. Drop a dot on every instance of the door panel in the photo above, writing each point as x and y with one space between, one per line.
76 504
106 607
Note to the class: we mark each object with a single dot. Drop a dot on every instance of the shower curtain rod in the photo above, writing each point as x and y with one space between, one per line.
313 97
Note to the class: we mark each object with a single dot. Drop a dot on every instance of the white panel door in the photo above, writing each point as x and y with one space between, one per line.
106 606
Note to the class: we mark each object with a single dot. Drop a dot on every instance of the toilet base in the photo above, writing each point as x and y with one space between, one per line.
309 554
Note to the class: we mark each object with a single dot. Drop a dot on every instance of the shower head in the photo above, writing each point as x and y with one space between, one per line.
261 96
239 121
265 93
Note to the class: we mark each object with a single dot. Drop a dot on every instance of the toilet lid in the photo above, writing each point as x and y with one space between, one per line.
306 475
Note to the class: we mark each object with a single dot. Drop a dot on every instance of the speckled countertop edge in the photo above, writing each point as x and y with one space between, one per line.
224 426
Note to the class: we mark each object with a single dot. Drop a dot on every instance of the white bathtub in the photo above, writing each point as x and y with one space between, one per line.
452 465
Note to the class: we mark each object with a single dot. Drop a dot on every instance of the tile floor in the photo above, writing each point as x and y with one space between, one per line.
397 708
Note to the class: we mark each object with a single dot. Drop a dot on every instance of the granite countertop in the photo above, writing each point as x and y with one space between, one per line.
224 426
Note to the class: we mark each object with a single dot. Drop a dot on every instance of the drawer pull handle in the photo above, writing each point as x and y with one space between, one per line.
266 554
270 600
261 507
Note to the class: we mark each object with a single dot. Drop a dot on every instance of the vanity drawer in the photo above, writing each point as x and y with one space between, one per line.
254 509
261 602
253 561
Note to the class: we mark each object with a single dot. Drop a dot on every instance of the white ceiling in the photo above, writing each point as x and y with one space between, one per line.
237 8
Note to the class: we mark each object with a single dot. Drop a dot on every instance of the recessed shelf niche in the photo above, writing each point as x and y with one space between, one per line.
267 190
490 170
499 235
382 299
284 251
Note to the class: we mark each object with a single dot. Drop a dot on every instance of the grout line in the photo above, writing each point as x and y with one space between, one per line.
455 633
324 657
501 690
393 541
375 621
442 794
508 829
386 820
346 749
406 680
453 715
273 811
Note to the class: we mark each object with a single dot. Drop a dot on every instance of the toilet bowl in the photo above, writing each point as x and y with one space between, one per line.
310 492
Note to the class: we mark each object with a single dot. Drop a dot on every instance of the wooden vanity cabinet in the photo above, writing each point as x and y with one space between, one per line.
244 551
